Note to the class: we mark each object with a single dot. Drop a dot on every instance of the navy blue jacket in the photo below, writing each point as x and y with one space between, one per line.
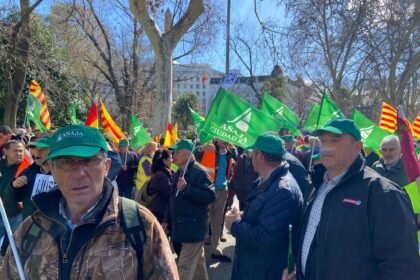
262 236
301 175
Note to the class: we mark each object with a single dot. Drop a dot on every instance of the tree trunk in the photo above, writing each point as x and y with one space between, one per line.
163 100
163 46
16 65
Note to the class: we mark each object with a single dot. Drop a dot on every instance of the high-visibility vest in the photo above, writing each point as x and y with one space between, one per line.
209 161
141 176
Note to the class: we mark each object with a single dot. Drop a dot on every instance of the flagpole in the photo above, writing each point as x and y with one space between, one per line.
312 151
186 166
11 241
26 112
125 159
320 109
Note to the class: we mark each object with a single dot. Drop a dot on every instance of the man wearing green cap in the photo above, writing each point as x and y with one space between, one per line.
357 225
290 145
35 179
80 230
192 193
126 178
275 203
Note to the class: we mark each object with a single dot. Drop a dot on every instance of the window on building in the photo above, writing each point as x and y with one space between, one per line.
197 86
191 86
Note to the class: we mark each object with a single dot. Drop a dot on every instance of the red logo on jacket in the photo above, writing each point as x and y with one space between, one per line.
352 201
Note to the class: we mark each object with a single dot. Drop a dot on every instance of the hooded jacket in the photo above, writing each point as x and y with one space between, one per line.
96 249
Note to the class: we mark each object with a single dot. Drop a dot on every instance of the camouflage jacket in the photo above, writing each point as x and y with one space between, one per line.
104 254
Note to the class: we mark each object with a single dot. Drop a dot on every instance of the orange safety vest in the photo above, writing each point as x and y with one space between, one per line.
209 161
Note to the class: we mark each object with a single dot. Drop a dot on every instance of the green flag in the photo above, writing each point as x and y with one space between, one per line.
418 151
73 117
278 110
33 112
372 134
327 111
198 120
138 133
234 120
311 120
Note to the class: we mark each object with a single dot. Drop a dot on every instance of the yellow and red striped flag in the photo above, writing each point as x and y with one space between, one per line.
416 127
92 118
108 123
170 138
388 120
36 91
175 132
157 138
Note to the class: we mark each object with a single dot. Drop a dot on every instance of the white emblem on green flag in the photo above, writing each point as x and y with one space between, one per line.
234 120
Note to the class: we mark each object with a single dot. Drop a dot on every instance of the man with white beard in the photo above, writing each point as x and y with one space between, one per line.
391 165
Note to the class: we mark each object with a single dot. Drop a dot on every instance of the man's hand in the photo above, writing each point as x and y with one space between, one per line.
231 217
291 276
20 182
124 167
181 184
208 147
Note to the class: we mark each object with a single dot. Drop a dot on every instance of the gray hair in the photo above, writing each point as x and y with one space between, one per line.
390 139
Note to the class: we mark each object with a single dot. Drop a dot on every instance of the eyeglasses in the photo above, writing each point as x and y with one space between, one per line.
71 164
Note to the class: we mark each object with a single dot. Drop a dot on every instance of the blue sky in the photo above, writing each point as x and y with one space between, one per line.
242 12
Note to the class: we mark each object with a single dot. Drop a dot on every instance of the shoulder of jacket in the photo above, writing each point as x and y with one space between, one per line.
377 182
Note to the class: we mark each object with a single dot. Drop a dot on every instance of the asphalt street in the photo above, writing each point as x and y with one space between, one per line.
220 270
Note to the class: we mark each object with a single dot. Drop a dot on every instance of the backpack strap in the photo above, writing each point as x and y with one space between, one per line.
133 227
29 241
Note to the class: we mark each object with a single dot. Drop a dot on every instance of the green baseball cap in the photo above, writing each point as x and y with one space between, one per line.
182 144
76 140
288 138
270 144
43 142
340 126
123 143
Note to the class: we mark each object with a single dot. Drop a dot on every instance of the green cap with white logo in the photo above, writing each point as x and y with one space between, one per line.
44 142
77 141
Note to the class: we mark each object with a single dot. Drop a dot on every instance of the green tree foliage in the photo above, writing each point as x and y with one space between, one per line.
50 65
182 114
276 84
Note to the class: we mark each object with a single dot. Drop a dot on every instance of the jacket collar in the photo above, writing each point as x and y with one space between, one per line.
48 205
279 171
356 167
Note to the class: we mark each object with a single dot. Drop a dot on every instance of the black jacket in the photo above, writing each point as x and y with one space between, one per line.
262 236
7 175
243 177
160 184
24 193
189 210
366 231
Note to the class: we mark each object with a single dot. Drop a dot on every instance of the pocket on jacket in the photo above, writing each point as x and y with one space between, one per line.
117 262
42 266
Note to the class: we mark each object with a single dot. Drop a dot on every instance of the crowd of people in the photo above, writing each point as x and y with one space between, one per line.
83 205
